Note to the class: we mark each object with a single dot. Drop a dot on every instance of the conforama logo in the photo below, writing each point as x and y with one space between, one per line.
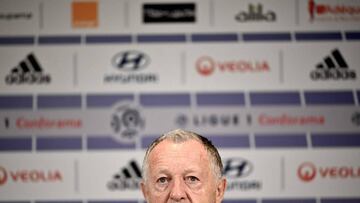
29 176
308 172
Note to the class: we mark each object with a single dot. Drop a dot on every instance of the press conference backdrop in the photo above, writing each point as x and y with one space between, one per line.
86 85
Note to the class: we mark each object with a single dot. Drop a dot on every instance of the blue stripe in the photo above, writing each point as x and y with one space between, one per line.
230 141
59 201
210 99
226 37
276 140
76 39
309 36
16 40
283 36
358 97
240 201
165 100
111 201
107 100
289 200
106 142
15 143
142 38
340 200
147 140
12 201
16 102
336 139
59 101
329 97
353 35
94 39
59 143
275 98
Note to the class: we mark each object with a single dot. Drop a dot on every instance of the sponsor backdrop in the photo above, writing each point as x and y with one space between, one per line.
86 85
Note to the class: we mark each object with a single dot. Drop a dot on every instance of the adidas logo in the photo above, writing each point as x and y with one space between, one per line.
333 67
28 71
127 178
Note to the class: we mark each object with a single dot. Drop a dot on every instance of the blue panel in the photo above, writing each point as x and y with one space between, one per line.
12 40
358 97
106 142
335 140
76 39
222 99
15 143
95 39
275 98
285 36
59 143
150 38
341 200
280 140
59 201
329 97
352 35
230 141
59 101
165 100
314 36
16 102
111 201
147 140
240 201
225 37
103 100
289 201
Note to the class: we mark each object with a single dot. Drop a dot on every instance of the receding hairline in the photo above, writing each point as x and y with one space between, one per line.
181 136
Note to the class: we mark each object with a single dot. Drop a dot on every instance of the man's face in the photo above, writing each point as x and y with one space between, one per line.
181 172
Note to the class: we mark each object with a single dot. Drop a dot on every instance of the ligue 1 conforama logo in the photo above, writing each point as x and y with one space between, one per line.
306 171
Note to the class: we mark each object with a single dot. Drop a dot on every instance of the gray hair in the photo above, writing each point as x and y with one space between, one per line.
180 136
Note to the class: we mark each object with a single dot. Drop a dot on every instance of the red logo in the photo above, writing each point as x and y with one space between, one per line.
3 176
47 123
334 12
206 66
306 172
290 120
30 176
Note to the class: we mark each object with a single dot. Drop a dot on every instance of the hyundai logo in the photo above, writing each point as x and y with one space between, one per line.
130 60
237 168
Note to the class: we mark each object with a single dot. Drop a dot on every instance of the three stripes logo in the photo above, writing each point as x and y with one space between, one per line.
333 67
28 71
128 177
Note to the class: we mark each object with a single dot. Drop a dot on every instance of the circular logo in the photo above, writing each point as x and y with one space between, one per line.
3 176
306 171
205 65
126 122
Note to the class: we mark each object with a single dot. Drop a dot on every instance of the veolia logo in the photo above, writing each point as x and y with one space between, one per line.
306 171
3 176
205 65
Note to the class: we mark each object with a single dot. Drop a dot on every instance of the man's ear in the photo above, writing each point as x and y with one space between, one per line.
220 190
143 189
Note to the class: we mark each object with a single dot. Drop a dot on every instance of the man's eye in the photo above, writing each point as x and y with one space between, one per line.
162 180
192 179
